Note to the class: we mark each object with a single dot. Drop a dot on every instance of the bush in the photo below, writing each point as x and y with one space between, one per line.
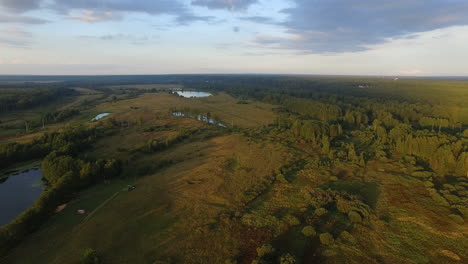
90 256
457 219
280 177
326 239
265 250
347 237
308 231
291 220
354 217
232 164
287 259
438 198
320 211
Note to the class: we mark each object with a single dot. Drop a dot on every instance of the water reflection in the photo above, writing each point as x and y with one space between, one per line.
18 193
199 118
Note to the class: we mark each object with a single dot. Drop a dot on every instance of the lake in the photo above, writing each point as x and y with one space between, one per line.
18 193
100 116
191 94
199 118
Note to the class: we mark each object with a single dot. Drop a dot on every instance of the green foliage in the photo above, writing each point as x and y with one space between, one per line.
354 217
291 220
437 197
326 239
70 141
232 164
367 191
265 250
64 175
90 256
457 219
287 259
347 238
20 99
308 231
320 211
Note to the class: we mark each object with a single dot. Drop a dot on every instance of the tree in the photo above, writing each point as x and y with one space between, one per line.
287 259
90 256
326 239
308 231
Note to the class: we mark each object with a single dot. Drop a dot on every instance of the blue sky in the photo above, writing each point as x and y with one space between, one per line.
356 37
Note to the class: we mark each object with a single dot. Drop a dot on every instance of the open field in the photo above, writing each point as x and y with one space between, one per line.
221 105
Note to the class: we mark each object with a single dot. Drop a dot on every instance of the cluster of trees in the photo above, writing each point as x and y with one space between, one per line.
20 99
59 116
64 175
70 141
358 124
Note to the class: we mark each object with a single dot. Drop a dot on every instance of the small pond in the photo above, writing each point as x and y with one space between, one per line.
191 94
199 118
100 116
18 192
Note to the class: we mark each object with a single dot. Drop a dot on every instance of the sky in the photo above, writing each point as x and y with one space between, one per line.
336 37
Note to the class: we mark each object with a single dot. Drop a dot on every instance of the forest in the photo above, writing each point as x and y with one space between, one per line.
302 169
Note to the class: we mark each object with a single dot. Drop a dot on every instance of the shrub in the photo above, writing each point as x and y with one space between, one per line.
291 220
280 177
428 184
354 217
457 219
438 198
347 237
232 164
308 231
287 259
90 256
265 250
326 239
320 211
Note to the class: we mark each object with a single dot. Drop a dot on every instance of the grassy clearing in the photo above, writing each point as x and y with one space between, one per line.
150 106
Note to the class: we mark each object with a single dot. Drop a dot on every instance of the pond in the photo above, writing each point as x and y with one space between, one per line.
18 193
192 94
100 116
200 118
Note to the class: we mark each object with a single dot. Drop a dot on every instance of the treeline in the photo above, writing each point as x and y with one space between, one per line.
64 175
21 99
59 116
70 141
64 172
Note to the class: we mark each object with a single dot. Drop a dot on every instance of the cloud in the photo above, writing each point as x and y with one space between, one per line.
119 37
259 19
105 10
15 37
20 19
20 5
90 16
322 26
225 4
